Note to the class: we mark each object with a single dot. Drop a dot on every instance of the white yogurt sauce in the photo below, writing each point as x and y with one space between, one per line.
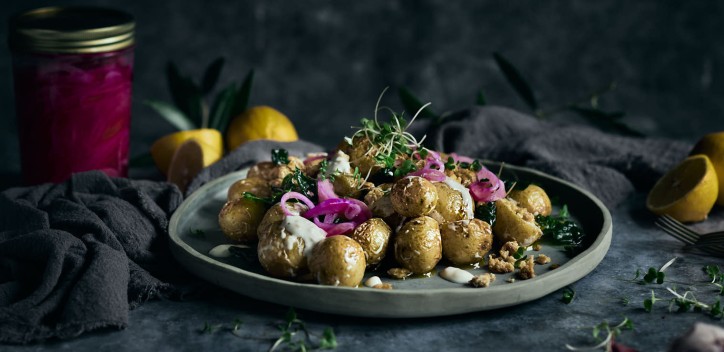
456 275
294 227
222 251
340 163
467 199
373 281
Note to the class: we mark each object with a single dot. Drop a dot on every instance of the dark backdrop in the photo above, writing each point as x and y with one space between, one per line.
324 63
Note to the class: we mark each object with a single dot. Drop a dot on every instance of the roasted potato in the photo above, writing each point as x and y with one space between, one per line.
413 196
274 216
450 206
274 174
515 223
338 261
373 235
347 185
379 200
256 186
284 250
418 246
534 199
466 242
240 218
361 154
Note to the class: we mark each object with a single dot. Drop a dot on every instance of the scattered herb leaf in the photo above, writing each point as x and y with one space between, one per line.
568 295
486 212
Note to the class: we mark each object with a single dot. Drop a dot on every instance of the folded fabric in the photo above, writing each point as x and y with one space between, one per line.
610 166
76 256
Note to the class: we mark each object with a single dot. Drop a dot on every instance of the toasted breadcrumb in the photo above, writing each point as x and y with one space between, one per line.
542 259
483 280
527 269
383 286
499 265
554 266
537 247
399 273
508 249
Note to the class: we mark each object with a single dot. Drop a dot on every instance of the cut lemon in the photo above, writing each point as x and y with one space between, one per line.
186 163
712 145
688 192
209 141
260 122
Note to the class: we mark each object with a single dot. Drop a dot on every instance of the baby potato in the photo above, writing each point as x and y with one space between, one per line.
275 215
347 185
379 201
534 199
466 177
240 218
450 206
373 235
515 223
281 256
418 246
466 242
256 186
274 174
338 261
360 155
413 196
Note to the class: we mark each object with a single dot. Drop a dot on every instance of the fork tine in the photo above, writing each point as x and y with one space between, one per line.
711 239
715 251
675 233
681 226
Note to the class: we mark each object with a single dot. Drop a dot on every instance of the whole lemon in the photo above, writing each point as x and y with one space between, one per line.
260 122
712 145
209 140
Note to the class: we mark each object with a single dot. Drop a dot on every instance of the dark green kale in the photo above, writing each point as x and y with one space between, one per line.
280 156
486 212
559 230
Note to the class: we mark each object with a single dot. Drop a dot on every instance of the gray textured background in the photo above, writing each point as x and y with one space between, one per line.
324 63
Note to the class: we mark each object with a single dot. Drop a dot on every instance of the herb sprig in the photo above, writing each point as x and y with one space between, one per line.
293 328
610 332
560 230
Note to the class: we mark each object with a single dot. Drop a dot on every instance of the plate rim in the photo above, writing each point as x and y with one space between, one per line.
594 254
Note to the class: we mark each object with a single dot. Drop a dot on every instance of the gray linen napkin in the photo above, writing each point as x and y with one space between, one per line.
610 166
76 256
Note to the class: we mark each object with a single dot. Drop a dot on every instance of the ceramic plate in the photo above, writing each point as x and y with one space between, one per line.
194 231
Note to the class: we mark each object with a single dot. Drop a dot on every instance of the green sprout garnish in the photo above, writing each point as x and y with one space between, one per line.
290 332
610 331
568 295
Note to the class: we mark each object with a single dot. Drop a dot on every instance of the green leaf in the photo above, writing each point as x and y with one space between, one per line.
328 341
242 96
568 295
211 75
143 160
173 115
280 156
412 105
186 94
606 121
516 80
221 110
481 101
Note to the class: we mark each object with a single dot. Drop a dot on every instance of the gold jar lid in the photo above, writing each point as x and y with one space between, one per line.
71 29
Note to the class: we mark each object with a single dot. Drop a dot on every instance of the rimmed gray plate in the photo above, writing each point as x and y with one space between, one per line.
194 231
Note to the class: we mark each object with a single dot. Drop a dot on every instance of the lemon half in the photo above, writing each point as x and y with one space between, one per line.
209 140
688 192
260 122
712 145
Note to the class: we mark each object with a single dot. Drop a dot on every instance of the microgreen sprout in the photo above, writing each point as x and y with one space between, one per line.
649 302
716 276
568 295
610 331
210 328
291 329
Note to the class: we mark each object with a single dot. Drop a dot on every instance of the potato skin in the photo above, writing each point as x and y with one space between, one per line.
418 245
346 185
274 174
359 155
338 261
277 258
413 196
515 223
256 186
373 235
273 216
534 199
240 218
449 206
379 200
466 242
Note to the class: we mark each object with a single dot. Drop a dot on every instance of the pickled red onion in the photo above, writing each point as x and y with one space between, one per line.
460 158
429 174
325 190
489 188
297 196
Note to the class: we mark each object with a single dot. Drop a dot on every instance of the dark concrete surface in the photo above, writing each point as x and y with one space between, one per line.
324 64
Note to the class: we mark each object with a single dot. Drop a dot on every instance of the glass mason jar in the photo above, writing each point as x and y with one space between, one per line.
72 68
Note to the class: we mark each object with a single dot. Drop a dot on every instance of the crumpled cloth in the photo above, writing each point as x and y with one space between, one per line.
77 256
610 166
